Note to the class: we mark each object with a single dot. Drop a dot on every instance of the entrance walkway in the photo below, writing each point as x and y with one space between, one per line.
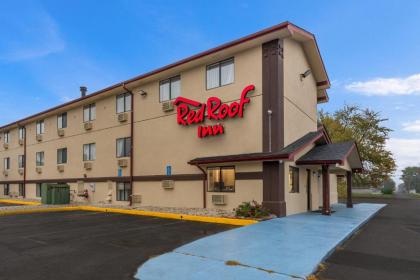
282 248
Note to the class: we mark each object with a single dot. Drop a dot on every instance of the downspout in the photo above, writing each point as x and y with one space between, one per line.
24 160
131 143
204 185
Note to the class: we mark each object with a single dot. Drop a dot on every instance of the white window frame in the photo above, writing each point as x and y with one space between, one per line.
91 153
126 148
6 163
6 137
21 161
219 65
126 103
169 81
40 127
39 158
60 158
22 132
125 193
60 120
91 109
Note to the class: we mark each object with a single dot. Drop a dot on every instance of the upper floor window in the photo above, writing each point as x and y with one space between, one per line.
123 147
6 163
21 161
293 179
21 133
40 127
221 179
6 137
89 152
39 158
221 73
170 88
123 103
62 121
89 112
62 156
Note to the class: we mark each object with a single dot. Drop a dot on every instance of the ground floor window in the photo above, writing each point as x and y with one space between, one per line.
221 179
38 190
6 189
293 179
21 190
123 191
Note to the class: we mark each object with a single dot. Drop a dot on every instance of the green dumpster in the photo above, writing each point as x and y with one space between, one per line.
55 194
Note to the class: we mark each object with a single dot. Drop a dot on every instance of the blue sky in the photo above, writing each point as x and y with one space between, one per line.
370 48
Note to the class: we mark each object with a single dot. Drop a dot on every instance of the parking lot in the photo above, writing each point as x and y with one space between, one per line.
88 245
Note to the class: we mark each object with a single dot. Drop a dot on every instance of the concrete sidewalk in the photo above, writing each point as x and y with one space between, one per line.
283 248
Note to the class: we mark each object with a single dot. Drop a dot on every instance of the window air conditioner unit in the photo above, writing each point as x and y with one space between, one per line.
87 165
122 163
168 184
6 173
167 106
88 126
6 145
38 170
21 141
39 137
20 170
60 168
123 117
136 198
218 199
60 132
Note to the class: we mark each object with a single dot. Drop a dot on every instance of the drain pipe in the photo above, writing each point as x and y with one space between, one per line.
131 143
24 160
204 185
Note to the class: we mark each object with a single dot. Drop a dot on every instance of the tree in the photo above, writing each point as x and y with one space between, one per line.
411 178
366 128
389 184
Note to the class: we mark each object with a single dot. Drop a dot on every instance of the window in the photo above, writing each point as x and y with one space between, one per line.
21 190
123 103
89 151
221 179
89 112
123 147
170 89
39 158
62 121
6 163
40 127
293 179
6 137
123 191
62 156
38 190
6 189
220 74
21 133
21 161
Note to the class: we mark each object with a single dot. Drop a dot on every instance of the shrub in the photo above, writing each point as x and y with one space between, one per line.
251 210
387 190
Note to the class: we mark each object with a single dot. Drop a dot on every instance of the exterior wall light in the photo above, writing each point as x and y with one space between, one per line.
143 93
305 74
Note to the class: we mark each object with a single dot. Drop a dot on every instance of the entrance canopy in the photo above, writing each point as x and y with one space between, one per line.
343 156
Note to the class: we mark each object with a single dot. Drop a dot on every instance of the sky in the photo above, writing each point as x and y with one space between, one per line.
370 49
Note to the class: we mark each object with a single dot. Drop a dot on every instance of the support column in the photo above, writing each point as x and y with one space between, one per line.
349 192
273 125
326 209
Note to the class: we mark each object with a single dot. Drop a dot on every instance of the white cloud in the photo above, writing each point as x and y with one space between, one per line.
31 35
387 86
412 126
406 152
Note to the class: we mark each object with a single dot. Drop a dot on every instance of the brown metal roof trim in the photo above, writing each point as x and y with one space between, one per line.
278 27
261 156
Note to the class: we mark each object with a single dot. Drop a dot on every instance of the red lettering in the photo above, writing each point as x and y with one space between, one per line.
213 103
215 111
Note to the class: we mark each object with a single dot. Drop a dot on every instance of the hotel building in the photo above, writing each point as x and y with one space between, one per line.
232 124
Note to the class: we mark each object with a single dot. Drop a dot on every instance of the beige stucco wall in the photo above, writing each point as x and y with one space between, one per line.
300 101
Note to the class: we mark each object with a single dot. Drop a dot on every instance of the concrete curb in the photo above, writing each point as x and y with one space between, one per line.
12 201
205 219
